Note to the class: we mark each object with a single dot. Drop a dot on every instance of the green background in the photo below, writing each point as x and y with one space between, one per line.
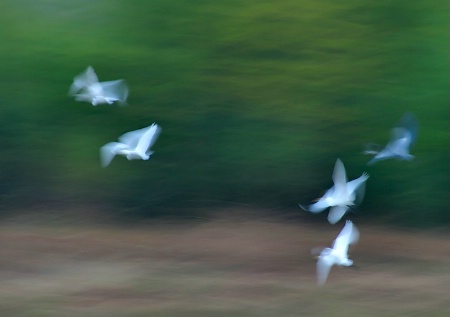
256 100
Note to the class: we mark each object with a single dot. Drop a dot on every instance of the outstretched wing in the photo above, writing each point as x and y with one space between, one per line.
85 79
109 150
403 136
410 123
360 191
324 263
398 146
115 90
353 185
384 154
339 176
348 235
322 203
319 206
336 213
148 138
401 141
132 138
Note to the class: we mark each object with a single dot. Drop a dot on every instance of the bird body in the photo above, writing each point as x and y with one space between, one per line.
341 196
86 87
134 145
402 138
338 255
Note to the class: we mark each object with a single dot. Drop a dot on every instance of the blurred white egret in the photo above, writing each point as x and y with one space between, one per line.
341 196
86 87
338 255
403 137
133 145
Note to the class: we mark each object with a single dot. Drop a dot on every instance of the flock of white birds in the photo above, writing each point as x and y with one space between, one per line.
342 196
133 145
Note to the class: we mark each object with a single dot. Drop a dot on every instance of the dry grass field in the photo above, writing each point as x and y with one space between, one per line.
234 266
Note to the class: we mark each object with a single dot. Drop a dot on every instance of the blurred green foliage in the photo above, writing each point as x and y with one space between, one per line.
256 99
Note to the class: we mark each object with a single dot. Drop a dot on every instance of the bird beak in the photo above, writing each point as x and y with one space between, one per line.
302 207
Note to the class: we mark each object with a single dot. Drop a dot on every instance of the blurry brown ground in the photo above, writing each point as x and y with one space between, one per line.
230 266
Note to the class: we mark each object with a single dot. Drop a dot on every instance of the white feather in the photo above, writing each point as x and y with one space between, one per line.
342 195
402 138
338 255
86 87
133 145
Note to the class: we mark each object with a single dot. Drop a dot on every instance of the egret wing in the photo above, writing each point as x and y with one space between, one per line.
384 154
359 193
403 136
398 146
348 235
356 183
321 204
410 122
339 176
132 138
400 142
336 213
109 150
148 138
85 79
115 90
323 267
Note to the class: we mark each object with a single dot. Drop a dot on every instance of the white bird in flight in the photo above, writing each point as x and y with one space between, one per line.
86 87
338 255
341 196
403 136
133 145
